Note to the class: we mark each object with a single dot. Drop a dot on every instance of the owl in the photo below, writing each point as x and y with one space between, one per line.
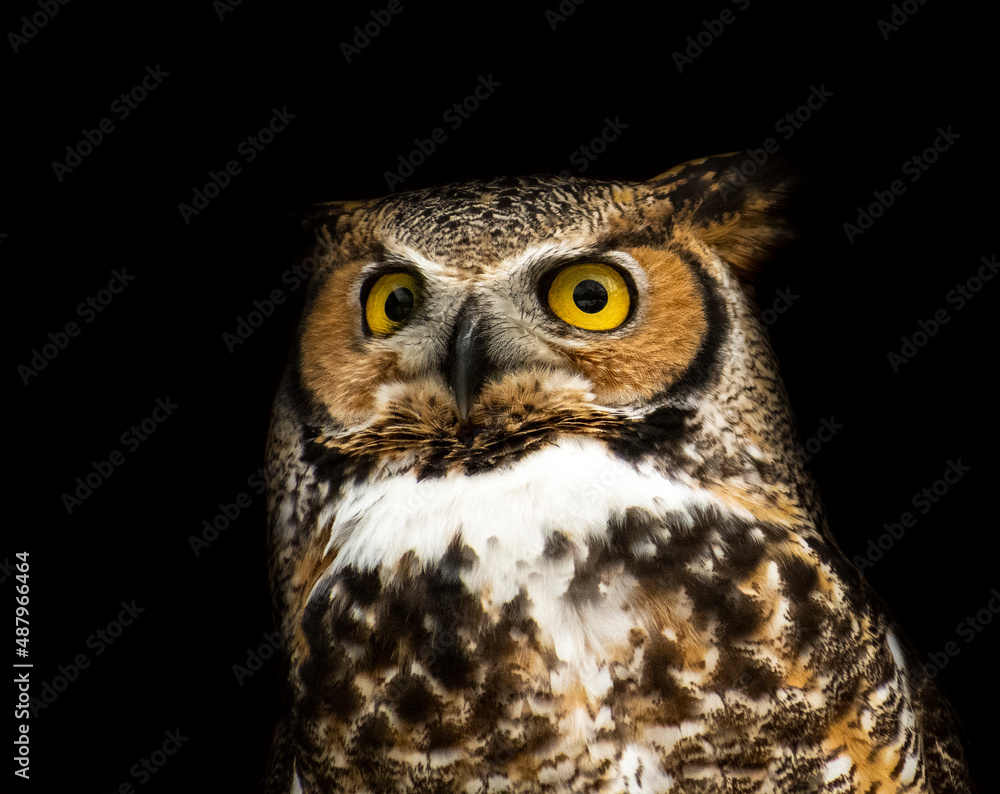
539 521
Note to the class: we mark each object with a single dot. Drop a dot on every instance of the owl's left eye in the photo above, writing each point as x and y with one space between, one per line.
391 300
590 295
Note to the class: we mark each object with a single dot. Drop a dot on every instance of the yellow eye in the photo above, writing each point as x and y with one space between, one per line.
592 296
391 300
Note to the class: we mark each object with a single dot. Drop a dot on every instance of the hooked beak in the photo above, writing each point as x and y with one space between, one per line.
469 365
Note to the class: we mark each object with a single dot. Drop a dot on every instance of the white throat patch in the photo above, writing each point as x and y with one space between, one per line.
574 486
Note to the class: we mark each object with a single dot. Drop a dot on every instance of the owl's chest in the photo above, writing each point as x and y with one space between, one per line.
560 531
546 580
575 605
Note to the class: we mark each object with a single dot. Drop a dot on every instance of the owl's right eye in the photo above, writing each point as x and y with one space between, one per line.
391 300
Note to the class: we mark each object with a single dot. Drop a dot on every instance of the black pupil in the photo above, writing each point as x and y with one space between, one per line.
399 304
590 296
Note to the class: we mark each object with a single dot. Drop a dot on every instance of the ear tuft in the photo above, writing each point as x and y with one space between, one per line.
330 220
734 203
327 212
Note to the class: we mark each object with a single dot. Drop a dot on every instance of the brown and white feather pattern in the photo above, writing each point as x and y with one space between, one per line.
611 575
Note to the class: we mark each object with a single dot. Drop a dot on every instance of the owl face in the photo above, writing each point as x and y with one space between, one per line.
471 323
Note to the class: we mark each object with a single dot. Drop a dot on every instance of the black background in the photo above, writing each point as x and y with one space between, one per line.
163 336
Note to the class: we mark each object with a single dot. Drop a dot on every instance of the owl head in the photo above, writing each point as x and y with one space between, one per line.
461 327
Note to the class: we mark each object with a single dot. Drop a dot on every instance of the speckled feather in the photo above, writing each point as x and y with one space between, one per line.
614 575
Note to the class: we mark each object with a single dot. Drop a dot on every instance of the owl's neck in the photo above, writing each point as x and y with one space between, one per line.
574 487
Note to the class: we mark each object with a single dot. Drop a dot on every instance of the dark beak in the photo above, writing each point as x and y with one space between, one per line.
469 365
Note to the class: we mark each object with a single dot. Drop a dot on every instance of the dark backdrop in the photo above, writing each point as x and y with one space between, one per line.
80 220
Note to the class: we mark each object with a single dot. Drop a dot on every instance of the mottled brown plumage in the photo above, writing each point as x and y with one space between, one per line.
512 552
